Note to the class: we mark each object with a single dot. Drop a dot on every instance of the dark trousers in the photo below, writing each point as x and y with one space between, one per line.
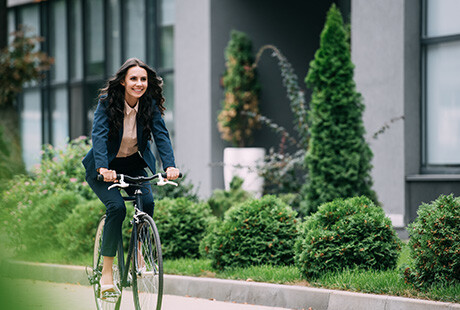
114 203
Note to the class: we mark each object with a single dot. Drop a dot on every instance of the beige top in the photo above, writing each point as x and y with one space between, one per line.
129 141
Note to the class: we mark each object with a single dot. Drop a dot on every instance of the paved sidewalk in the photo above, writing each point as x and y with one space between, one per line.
23 294
284 296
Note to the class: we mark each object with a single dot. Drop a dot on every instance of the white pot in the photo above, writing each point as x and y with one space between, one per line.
243 162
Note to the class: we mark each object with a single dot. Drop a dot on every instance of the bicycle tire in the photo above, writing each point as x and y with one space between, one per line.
97 271
147 272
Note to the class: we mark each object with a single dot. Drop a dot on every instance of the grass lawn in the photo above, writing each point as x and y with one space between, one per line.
376 282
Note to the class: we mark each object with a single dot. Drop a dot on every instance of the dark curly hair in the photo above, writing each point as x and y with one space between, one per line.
114 93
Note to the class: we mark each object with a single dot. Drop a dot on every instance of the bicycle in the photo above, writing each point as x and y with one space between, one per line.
143 268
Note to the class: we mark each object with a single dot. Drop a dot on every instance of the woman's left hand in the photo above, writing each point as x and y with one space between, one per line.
172 173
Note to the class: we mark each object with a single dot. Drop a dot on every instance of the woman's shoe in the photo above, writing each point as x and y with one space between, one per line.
110 292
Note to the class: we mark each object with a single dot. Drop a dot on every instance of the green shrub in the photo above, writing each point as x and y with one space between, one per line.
222 200
61 168
181 224
209 236
435 243
346 234
291 199
338 158
284 175
255 232
9 166
19 194
39 221
76 233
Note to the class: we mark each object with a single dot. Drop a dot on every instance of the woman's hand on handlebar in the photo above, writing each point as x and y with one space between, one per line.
109 175
172 173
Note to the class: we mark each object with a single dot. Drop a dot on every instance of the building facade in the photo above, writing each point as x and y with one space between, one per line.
404 53
406 57
88 40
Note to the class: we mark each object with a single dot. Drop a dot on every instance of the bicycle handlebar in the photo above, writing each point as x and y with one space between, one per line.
139 179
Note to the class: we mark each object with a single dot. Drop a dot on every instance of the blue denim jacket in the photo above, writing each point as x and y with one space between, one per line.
105 150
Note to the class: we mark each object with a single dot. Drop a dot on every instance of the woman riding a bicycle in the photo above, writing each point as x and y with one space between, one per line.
129 112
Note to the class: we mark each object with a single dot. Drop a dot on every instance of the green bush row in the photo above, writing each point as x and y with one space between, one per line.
55 208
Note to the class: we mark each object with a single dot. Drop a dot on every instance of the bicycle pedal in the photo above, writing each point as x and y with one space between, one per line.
110 298
93 277
146 274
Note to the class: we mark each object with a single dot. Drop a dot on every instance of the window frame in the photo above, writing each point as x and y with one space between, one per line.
425 42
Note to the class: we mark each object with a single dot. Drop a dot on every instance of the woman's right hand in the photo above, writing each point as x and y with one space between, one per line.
109 175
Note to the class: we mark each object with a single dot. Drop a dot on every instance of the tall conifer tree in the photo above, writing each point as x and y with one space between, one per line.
338 158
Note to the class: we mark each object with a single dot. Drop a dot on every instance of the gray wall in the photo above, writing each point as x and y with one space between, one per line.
386 52
193 118
202 33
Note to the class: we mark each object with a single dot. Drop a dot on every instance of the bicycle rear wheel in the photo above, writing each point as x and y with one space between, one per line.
147 267
97 272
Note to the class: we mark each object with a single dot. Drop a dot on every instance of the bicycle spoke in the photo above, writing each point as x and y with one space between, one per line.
148 274
109 303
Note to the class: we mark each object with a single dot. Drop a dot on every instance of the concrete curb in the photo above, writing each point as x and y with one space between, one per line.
285 296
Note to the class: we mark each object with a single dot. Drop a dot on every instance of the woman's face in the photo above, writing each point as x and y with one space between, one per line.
135 84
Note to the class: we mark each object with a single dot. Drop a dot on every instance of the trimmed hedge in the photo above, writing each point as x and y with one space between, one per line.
222 200
346 234
76 233
255 232
38 223
435 243
181 224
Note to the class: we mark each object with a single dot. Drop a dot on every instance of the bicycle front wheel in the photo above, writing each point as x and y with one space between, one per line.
147 267
102 304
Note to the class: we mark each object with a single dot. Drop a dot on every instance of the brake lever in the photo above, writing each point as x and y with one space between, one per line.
162 181
121 183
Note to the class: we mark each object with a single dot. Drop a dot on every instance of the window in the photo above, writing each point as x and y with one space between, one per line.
76 40
95 38
89 40
29 16
166 61
114 36
31 103
31 127
58 41
11 25
441 78
59 116
167 34
135 43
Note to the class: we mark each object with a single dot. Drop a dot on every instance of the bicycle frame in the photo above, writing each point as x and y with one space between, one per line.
133 244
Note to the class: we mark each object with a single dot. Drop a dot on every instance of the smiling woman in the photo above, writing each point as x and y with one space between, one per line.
129 112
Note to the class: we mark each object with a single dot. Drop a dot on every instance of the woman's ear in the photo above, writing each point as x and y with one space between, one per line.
122 83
